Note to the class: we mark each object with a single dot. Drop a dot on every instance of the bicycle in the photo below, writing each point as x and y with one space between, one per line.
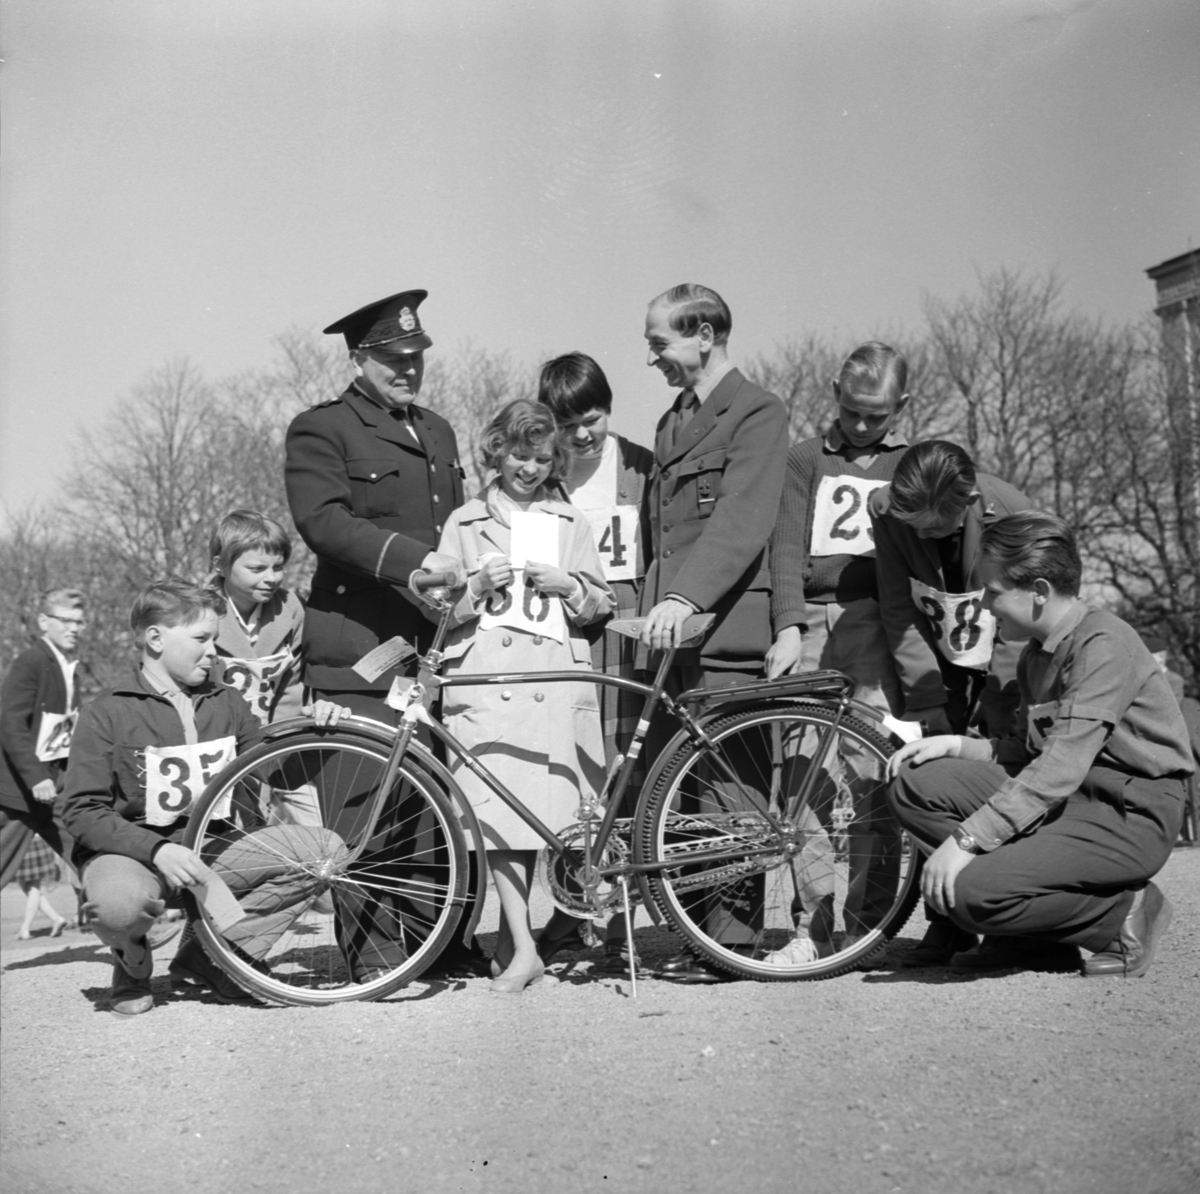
768 796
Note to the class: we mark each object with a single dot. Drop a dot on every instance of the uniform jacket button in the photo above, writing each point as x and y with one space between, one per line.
667 553
506 641
506 695
436 498
373 475
537 696
341 588
432 467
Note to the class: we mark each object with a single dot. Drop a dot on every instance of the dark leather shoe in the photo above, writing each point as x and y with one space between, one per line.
941 942
1015 953
192 967
685 967
458 962
129 996
568 937
1131 951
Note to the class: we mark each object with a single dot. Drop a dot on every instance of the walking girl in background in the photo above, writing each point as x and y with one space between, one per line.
606 479
533 580
38 872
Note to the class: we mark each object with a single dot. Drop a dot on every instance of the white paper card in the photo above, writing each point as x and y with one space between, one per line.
520 606
841 521
383 658
219 902
176 775
964 631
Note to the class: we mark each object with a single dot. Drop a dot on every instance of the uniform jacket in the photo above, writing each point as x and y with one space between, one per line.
280 625
371 503
104 800
712 503
901 554
34 685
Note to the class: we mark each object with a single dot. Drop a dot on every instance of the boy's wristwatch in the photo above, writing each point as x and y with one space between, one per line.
965 841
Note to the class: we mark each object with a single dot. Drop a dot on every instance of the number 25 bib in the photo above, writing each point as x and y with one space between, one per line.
841 522
255 679
964 631
176 775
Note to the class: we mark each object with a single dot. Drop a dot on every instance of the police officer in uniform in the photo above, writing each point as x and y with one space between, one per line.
371 477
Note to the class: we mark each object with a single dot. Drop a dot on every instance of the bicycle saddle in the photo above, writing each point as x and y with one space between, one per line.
695 627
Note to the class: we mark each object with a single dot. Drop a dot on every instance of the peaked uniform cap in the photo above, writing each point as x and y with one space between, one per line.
393 319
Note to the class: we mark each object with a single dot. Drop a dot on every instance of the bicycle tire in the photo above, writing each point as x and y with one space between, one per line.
860 894
330 917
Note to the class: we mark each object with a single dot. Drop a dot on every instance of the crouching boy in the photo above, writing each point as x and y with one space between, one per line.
141 754
1046 841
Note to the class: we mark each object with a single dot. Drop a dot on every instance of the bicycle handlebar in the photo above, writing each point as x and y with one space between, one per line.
423 582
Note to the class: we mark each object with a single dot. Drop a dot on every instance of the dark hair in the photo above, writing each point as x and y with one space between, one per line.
572 385
877 365
173 602
527 425
241 531
53 599
933 481
691 305
1033 545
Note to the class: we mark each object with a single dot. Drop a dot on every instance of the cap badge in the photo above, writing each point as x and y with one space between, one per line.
407 319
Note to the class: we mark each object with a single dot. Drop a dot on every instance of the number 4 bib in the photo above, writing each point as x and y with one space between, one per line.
615 530
964 631
176 775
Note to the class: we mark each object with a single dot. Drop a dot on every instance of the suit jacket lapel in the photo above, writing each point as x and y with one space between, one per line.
702 422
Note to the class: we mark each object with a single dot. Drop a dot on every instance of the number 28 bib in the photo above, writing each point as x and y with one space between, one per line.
841 522
176 775
963 630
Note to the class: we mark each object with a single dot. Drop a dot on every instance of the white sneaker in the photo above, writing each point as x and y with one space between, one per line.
797 952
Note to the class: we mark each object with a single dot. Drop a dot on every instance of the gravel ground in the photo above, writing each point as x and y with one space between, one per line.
890 1081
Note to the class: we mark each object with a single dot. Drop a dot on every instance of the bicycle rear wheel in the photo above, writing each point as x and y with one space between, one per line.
336 905
766 885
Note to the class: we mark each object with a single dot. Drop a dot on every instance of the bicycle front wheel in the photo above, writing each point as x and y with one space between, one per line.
343 891
780 860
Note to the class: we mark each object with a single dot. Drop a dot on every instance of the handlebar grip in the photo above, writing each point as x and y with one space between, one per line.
424 581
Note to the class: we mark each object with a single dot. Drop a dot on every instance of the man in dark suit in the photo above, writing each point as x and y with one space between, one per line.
37 706
720 460
371 478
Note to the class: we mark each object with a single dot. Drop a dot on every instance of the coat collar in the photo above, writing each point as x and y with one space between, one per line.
702 422
386 425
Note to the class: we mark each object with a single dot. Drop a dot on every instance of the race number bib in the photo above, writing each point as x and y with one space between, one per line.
615 530
54 735
1038 723
964 631
176 775
841 522
256 679
522 607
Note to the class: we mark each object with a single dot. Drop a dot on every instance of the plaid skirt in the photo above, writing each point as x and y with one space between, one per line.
614 655
39 867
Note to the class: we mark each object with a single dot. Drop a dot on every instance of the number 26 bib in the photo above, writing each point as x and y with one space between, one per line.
841 521
964 631
176 775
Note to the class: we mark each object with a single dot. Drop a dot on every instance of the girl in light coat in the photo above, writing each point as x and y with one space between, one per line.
544 742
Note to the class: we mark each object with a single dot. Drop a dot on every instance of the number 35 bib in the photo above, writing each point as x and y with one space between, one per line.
964 631
841 522
176 775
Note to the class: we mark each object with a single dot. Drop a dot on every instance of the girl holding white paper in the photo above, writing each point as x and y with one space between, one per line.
533 579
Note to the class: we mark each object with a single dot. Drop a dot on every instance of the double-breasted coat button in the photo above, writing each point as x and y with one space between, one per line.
537 696
537 642
506 695
506 641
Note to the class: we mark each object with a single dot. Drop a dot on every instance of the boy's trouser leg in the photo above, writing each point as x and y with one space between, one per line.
264 870
1072 879
124 897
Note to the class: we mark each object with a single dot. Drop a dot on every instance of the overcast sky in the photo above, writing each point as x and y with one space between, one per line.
192 178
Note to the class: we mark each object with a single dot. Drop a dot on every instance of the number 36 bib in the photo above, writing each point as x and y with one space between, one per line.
176 775
964 631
